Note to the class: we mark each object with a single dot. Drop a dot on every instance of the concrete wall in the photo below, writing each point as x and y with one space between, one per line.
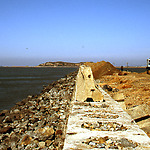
85 86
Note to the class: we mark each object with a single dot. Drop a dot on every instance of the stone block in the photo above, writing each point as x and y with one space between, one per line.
86 89
140 111
118 97
122 104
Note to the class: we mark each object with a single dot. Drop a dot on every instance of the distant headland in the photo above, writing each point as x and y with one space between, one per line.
61 64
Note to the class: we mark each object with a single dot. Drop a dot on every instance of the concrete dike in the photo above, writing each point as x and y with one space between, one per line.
71 113
99 122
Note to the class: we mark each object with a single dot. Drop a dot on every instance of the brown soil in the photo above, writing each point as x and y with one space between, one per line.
102 68
134 86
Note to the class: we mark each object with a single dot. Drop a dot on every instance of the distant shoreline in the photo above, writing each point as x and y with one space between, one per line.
131 67
61 66
39 66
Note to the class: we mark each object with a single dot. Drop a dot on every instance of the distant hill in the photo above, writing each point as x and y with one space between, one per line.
61 63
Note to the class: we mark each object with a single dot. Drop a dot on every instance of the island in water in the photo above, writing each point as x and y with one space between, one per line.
61 64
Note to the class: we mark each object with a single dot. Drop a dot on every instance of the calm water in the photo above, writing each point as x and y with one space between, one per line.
17 83
139 70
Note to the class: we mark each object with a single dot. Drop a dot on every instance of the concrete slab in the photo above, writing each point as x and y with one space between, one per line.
103 125
139 111
85 86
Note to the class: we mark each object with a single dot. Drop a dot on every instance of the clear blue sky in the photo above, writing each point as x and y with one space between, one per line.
36 31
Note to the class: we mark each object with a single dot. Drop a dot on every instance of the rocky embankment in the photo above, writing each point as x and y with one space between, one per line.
39 121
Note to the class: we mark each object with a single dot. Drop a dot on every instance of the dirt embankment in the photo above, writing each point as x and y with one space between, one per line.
133 87
102 68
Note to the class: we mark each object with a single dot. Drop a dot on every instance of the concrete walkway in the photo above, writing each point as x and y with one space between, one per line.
103 125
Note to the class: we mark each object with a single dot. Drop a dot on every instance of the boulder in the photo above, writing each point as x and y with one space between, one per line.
107 87
145 125
139 112
3 112
118 97
6 130
58 132
26 140
44 133
146 128
41 144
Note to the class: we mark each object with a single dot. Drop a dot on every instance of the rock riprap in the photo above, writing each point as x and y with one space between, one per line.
38 122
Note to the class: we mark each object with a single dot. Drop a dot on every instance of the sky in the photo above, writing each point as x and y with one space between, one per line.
38 31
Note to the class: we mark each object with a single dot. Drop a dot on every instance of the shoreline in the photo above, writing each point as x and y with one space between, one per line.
66 66
39 66
133 67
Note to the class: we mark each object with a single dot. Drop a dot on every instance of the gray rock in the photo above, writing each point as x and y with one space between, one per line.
125 143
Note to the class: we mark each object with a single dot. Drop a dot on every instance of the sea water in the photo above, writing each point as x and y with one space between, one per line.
16 83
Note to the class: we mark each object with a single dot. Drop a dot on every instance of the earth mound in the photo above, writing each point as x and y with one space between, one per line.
102 68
